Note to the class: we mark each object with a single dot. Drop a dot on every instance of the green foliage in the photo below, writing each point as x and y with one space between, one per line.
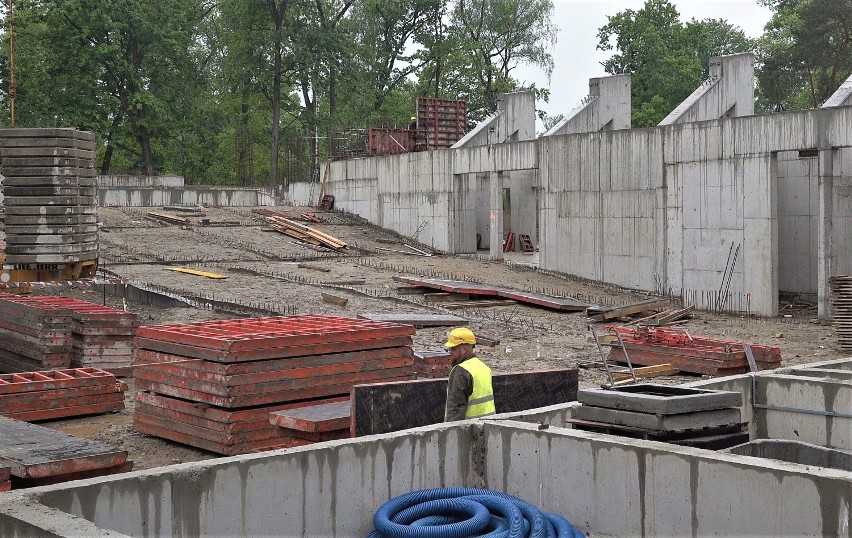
666 58
805 52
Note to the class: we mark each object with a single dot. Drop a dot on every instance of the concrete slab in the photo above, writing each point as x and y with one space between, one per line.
680 421
660 399
61 201
46 152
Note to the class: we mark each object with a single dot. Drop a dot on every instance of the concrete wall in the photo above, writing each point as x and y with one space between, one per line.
140 181
160 196
728 92
605 108
798 222
801 403
843 95
603 484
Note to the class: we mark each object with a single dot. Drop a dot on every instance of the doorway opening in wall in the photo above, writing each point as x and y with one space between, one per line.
797 180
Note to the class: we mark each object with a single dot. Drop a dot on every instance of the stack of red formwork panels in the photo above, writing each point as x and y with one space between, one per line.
432 364
213 384
101 336
35 335
5 478
688 353
52 394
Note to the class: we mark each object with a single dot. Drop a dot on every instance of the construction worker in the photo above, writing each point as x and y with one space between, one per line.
469 392
412 125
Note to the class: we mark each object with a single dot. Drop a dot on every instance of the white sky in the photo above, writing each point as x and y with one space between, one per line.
577 59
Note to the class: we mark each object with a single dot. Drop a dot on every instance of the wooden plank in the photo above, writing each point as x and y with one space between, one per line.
197 272
626 310
418 320
445 297
647 372
313 267
334 299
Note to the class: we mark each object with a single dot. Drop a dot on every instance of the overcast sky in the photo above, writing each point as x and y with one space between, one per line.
577 59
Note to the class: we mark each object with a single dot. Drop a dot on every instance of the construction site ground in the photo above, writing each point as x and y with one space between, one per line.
264 278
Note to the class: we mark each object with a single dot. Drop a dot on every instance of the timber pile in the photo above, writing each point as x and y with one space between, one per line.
212 385
53 394
165 217
687 353
646 308
284 224
47 332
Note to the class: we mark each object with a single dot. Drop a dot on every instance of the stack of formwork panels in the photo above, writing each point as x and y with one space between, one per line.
440 123
35 335
52 394
101 336
213 384
46 332
678 415
50 197
432 364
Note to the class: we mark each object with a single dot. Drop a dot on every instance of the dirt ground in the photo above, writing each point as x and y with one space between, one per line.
264 277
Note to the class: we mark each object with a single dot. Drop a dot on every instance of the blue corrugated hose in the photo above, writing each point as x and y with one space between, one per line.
463 512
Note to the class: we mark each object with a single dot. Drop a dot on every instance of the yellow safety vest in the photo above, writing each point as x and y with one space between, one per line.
480 403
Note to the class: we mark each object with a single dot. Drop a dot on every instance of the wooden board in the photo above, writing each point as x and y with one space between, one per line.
389 407
324 417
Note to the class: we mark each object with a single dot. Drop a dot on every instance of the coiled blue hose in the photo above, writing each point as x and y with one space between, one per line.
463 512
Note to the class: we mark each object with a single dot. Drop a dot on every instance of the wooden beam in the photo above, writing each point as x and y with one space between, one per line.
646 372
334 299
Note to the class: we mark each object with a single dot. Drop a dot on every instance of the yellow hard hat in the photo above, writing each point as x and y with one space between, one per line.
460 335
413 118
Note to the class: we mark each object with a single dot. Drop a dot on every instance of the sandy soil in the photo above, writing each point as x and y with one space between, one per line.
264 275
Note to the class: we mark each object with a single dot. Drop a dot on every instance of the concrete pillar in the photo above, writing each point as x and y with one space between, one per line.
495 182
824 248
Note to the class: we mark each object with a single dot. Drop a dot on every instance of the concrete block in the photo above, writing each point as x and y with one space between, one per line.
659 399
676 422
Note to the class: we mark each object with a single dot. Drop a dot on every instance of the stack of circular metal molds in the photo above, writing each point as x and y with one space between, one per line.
50 195
841 309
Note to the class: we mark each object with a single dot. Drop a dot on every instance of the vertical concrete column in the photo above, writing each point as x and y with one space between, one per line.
824 233
495 217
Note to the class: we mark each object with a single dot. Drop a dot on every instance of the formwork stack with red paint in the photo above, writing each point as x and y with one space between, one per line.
689 353
213 384
52 394
47 332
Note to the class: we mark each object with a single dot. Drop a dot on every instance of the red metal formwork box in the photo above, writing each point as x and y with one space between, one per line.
440 123
390 141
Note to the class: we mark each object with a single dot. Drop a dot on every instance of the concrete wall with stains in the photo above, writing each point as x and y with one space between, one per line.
183 196
601 483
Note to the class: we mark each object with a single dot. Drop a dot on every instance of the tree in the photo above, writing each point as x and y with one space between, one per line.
492 38
666 58
805 52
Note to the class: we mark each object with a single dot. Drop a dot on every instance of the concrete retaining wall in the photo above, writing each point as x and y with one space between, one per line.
161 196
140 181
603 484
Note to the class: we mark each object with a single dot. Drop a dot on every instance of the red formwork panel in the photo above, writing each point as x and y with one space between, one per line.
54 379
271 333
125 467
302 393
440 123
231 371
303 368
270 392
390 141
319 418
245 361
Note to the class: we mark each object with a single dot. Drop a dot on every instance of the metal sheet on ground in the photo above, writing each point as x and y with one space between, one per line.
389 407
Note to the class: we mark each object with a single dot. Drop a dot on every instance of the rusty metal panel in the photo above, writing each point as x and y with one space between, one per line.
324 417
33 451
54 379
390 141
440 123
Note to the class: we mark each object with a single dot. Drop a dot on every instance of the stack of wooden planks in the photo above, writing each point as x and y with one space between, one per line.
213 384
165 217
53 394
688 353
46 332
284 224
623 312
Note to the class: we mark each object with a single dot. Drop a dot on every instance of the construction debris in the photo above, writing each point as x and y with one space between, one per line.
646 372
313 267
687 353
334 299
690 417
556 303
419 321
38 455
283 224
247 368
171 219
666 317
52 394
615 312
